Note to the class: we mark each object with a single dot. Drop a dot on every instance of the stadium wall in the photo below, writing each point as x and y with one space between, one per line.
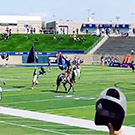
18 60
88 59
13 60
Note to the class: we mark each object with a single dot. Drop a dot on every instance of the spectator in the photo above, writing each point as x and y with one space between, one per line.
63 30
133 30
31 31
132 52
37 39
40 31
87 31
77 31
61 38
17 30
111 110
35 79
42 71
9 32
26 37
54 38
34 30
112 131
27 30
49 66
132 66
5 36
102 60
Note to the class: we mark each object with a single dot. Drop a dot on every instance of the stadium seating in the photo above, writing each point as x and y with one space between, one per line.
117 46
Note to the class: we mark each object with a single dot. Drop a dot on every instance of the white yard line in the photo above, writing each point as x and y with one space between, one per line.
67 108
132 92
52 118
132 114
34 101
35 128
26 94
43 100
61 120
130 102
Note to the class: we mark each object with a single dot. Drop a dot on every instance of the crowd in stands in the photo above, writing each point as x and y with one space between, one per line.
47 31
75 38
60 38
6 34
75 61
123 32
108 60
29 29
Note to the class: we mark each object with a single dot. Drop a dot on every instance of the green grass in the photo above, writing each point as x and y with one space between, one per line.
14 125
17 42
93 81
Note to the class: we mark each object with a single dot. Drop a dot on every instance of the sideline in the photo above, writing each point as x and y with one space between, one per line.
89 124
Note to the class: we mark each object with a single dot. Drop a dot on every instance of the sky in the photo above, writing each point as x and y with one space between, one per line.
73 10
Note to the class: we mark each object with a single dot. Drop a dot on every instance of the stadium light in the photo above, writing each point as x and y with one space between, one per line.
88 14
117 18
54 17
132 16
93 14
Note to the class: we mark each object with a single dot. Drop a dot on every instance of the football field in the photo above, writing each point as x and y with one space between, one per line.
17 93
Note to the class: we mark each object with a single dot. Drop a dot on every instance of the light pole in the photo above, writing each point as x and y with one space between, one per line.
54 17
88 14
117 18
93 14
132 16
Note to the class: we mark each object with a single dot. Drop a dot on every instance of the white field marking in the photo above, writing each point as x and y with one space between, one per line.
90 134
35 128
66 96
25 94
70 121
67 108
52 118
130 102
84 98
12 106
132 114
133 125
6 79
42 100
5 90
132 92
44 125
31 101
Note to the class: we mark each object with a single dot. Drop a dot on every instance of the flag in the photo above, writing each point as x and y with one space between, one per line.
32 58
62 62
5 56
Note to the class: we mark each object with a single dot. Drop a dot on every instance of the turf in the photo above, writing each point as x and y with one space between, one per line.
14 126
80 104
17 42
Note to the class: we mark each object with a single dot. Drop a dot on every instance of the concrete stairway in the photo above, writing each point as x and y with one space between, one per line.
117 46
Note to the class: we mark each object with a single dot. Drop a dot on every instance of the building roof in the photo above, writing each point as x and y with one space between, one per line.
15 19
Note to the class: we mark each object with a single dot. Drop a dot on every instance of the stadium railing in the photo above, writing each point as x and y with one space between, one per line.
93 45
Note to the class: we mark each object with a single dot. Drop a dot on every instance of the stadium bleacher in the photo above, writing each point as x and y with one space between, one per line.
117 46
